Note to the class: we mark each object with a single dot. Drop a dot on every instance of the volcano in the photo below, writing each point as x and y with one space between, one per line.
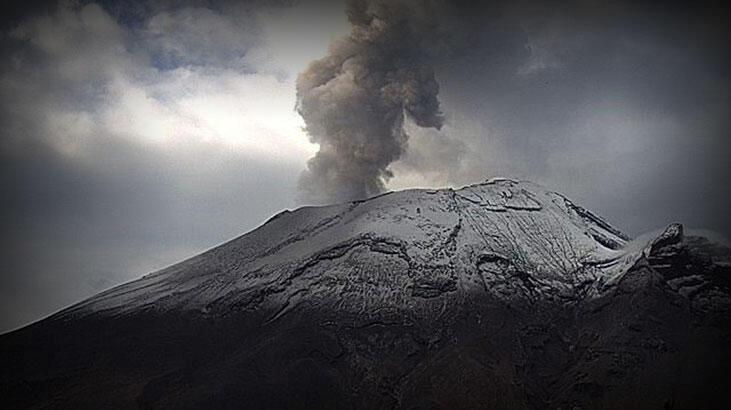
497 295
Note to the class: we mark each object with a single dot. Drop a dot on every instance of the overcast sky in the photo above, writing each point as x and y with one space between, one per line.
137 133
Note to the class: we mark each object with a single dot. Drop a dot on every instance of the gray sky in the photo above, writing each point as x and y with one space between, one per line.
135 134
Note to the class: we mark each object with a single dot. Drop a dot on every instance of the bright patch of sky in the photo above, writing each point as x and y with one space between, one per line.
186 76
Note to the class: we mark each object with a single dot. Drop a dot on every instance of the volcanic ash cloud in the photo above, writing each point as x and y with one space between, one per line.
355 100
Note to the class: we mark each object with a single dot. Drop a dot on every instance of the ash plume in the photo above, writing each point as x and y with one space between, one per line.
355 100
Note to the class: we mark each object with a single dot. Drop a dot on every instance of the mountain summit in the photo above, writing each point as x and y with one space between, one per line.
497 295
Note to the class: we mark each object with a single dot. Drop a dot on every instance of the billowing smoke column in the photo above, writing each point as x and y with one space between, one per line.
355 100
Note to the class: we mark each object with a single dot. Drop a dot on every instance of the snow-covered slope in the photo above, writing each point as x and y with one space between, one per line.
401 250
514 239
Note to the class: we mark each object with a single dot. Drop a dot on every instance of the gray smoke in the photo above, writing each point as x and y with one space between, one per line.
355 100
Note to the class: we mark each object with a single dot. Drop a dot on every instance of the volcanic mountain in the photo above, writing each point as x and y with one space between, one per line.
497 295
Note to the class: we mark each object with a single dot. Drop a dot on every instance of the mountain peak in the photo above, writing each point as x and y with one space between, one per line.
505 237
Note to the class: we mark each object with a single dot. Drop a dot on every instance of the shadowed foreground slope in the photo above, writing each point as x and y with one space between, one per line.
497 295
